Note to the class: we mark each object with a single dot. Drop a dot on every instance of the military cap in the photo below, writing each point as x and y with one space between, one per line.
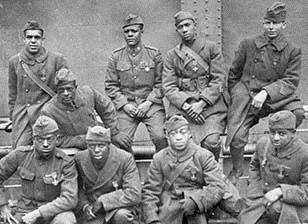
44 125
276 13
284 119
98 134
182 15
64 76
175 122
132 19
33 25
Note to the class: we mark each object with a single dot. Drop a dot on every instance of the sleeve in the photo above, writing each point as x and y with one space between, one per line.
170 83
297 194
218 73
107 112
151 191
213 192
8 166
112 84
12 84
289 80
155 95
236 69
69 192
66 141
130 194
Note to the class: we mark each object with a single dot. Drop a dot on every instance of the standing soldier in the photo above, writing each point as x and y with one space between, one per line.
193 79
48 179
263 78
278 175
133 83
76 108
31 82
109 184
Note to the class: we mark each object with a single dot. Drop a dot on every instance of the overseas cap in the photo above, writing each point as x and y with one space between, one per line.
132 19
44 125
282 120
33 25
175 122
64 76
276 13
98 134
182 15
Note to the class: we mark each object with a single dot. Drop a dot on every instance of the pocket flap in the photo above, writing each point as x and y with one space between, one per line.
122 66
26 174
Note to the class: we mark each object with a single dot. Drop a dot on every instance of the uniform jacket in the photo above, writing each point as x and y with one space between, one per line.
133 77
49 185
201 180
185 80
287 169
74 121
258 64
116 185
25 97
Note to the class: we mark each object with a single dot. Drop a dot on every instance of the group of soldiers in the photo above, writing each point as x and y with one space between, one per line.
184 182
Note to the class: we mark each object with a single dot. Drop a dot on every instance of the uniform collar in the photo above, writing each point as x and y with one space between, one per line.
279 42
77 103
184 155
30 59
292 147
134 51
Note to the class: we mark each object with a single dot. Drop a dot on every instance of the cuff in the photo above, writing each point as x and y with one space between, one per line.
195 199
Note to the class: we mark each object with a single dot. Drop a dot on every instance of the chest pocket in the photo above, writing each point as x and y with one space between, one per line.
145 73
52 183
27 181
125 73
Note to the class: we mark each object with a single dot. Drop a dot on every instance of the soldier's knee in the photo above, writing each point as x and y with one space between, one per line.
123 216
160 142
64 218
300 115
212 143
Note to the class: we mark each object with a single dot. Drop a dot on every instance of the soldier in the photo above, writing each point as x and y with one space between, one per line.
109 184
183 181
74 109
31 82
279 175
48 179
263 79
193 79
133 83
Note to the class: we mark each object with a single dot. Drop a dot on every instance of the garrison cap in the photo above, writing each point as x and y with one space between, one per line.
284 119
182 15
33 25
44 125
276 13
175 122
98 134
132 19
64 76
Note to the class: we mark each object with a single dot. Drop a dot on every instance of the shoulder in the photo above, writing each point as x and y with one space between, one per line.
50 105
202 152
151 48
303 152
118 51
161 155
55 54
60 154
80 155
14 58
85 89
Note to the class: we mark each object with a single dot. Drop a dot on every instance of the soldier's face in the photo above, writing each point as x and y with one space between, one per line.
66 93
273 29
45 144
280 137
132 35
179 139
33 40
186 29
97 150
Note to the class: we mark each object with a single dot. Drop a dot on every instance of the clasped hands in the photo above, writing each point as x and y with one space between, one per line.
273 196
28 218
140 111
92 210
194 111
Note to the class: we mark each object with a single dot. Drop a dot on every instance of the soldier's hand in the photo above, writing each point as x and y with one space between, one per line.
31 217
273 195
196 109
97 207
143 108
122 140
186 107
131 110
88 212
7 215
259 99
188 205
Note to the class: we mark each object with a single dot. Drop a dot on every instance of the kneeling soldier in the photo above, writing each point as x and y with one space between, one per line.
48 179
184 180
109 184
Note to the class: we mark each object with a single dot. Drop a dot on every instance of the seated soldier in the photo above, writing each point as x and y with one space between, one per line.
184 181
109 184
74 109
48 179
278 175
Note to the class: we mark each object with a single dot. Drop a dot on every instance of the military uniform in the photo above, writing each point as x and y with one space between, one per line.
74 121
26 98
47 185
116 185
171 177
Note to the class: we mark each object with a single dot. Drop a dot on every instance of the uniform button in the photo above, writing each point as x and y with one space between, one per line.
38 101
266 184
255 60
253 76
28 105
135 77
25 76
274 63
134 54
27 90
